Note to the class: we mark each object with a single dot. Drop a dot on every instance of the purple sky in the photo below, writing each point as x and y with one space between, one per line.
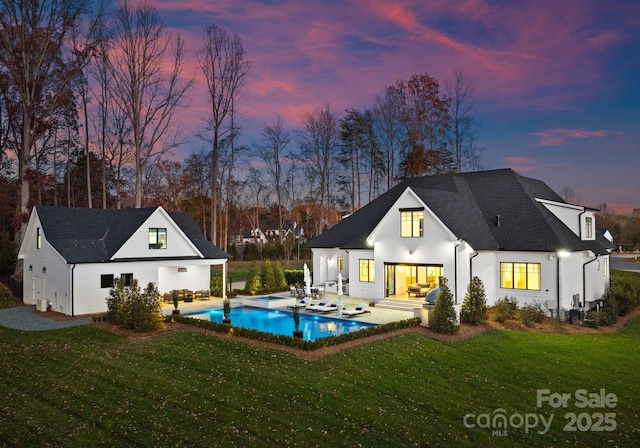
557 82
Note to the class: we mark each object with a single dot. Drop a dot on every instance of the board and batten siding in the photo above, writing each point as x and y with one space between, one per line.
178 245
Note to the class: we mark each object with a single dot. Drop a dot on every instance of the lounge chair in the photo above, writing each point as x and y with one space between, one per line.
360 309
312 307
329 307
306 301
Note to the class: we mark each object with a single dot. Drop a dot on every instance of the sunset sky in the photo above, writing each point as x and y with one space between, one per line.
557 82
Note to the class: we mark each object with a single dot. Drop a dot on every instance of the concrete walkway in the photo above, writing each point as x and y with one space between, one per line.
26 318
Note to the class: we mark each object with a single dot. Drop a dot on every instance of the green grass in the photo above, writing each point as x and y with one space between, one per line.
87 387
239 270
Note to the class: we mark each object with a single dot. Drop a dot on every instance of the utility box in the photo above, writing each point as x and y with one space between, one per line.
41 304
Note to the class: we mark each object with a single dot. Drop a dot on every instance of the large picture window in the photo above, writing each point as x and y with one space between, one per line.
520 276
157 238
367 270
411 223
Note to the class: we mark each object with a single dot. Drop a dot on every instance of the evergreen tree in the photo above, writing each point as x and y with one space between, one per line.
268 278
278 272
442 319
254 282
474 307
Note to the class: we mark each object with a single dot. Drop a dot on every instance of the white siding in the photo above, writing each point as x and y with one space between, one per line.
138 245
46 274
89 298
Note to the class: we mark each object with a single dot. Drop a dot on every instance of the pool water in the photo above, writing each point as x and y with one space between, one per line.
281 322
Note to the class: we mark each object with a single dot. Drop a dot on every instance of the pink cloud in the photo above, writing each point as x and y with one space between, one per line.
557 137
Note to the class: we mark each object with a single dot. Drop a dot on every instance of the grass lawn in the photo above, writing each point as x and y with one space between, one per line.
239 270
88 387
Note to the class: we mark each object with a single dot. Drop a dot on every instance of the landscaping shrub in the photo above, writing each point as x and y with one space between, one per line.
254 282
442 319
216 286
474 306
624 291
267 276
530 314
129 307
278 273
505 309
294 277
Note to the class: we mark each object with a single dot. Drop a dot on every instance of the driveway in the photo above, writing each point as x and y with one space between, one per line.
625 262
26 318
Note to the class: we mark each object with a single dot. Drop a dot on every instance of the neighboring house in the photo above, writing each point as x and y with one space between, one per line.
253 236
72 255
515 233
291 229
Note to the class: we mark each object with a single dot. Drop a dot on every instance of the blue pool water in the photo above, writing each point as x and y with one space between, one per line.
281 322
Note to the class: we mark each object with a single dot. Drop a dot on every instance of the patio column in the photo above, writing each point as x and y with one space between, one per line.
224 280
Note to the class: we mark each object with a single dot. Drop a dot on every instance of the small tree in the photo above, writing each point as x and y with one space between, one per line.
268 277
254 283
474 307
133 309
278 273
442 319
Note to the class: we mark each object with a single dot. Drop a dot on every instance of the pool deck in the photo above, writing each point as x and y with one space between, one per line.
376 315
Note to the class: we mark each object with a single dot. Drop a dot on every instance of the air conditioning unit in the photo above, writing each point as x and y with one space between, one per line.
41 304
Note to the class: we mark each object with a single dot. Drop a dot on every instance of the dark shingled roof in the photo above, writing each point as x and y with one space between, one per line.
468 204
83 235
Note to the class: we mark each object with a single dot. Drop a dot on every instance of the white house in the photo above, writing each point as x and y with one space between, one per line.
514 233
72 255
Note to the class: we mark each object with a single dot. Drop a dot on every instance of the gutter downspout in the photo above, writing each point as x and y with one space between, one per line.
475 254
558 286
584 279
72 295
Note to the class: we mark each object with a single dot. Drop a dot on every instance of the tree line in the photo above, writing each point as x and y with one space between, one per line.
88 102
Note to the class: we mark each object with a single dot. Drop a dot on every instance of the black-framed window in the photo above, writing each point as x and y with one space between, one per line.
411 223
38 238
106 281
157 238
128 279
520 276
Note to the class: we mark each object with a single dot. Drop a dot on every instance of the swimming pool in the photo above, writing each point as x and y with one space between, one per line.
281 322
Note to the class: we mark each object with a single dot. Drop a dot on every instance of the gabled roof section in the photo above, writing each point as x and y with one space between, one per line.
491 210
83 235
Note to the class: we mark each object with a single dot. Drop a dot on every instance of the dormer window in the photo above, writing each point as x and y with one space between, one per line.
412 223
157 238
588 227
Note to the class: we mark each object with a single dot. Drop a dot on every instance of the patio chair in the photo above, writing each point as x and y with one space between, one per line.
360 309
306 301
312 307
329 307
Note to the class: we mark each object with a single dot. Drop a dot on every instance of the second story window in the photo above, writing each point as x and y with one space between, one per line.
340 266
157 238
588 227
38 238
411 223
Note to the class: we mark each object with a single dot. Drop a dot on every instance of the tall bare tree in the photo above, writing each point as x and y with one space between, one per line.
387 122
37 57
147 95
319 140
271 150
223 64
460 91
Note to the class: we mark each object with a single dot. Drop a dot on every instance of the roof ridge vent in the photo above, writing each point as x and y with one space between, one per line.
497 220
